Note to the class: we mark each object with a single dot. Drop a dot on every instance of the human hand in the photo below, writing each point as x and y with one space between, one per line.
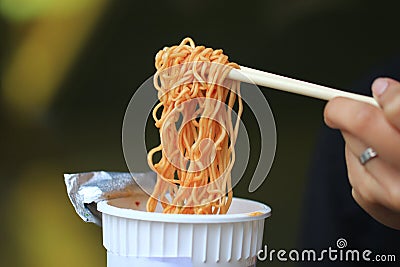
375 185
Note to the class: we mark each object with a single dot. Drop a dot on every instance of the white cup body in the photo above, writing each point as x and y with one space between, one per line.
139 238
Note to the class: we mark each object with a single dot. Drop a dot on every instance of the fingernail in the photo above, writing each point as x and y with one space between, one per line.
379 86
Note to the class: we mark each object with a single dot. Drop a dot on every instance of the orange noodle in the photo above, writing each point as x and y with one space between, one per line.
194 172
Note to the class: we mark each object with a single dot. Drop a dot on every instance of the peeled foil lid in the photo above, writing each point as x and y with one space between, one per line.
85 190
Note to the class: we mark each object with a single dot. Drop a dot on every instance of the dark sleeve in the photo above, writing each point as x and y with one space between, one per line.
329 211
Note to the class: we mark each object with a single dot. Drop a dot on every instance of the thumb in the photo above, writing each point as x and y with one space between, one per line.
386 91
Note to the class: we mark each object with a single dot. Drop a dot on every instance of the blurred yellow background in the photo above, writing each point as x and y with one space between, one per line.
69 68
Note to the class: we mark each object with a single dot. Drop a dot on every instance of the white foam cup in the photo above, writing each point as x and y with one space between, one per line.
153 239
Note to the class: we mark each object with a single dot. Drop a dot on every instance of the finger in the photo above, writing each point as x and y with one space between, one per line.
361 180
367 123
378 212
387 92
356 147
374 165
381 186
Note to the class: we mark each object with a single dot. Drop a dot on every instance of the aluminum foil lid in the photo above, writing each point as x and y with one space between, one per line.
85 190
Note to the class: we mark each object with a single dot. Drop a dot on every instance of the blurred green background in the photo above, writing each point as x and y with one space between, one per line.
70 67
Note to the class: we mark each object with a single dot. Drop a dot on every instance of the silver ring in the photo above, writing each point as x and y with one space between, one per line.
367 155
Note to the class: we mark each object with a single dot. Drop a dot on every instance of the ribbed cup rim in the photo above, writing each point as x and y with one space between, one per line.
241 210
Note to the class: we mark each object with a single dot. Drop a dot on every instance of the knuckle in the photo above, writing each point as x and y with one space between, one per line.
364 118
327 111
330 109
363 190
369 197
394 198
363 198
